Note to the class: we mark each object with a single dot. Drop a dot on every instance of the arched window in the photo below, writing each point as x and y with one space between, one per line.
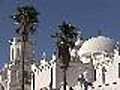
118 70
17 53
94 74
12 53
103 74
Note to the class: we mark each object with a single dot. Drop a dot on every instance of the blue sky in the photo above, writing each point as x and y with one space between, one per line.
91 14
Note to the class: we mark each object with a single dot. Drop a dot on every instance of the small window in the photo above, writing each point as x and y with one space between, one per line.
34 70
114 82
103 74
99 85
12 53
119 70
94 74
106 84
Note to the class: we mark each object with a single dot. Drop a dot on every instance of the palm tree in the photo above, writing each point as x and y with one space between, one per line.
26 19
65 38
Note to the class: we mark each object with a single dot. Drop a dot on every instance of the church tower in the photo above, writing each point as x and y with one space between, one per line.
16 49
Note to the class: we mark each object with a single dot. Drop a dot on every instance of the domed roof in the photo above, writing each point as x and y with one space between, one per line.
96 44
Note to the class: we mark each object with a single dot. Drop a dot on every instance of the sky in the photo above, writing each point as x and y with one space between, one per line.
92 15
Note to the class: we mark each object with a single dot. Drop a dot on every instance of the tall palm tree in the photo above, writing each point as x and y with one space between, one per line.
65 38
26 19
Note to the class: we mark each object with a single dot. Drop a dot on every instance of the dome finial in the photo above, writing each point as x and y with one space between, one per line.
44 55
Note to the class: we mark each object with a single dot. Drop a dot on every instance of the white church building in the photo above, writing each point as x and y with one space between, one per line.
94 65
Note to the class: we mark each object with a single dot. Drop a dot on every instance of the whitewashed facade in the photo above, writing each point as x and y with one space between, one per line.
94 65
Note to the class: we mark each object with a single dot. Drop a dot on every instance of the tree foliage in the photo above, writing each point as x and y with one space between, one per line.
26 16
65 38
66 35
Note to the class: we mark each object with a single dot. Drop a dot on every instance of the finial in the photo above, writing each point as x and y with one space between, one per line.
53 57
44 55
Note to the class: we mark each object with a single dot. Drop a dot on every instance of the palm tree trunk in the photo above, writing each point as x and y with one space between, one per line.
23 43
64 81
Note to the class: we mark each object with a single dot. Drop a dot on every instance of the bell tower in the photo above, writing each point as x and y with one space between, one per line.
15 49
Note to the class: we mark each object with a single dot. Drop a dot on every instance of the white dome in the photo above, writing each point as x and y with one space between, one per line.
96 44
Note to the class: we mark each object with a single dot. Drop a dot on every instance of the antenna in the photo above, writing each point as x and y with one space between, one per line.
100 30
